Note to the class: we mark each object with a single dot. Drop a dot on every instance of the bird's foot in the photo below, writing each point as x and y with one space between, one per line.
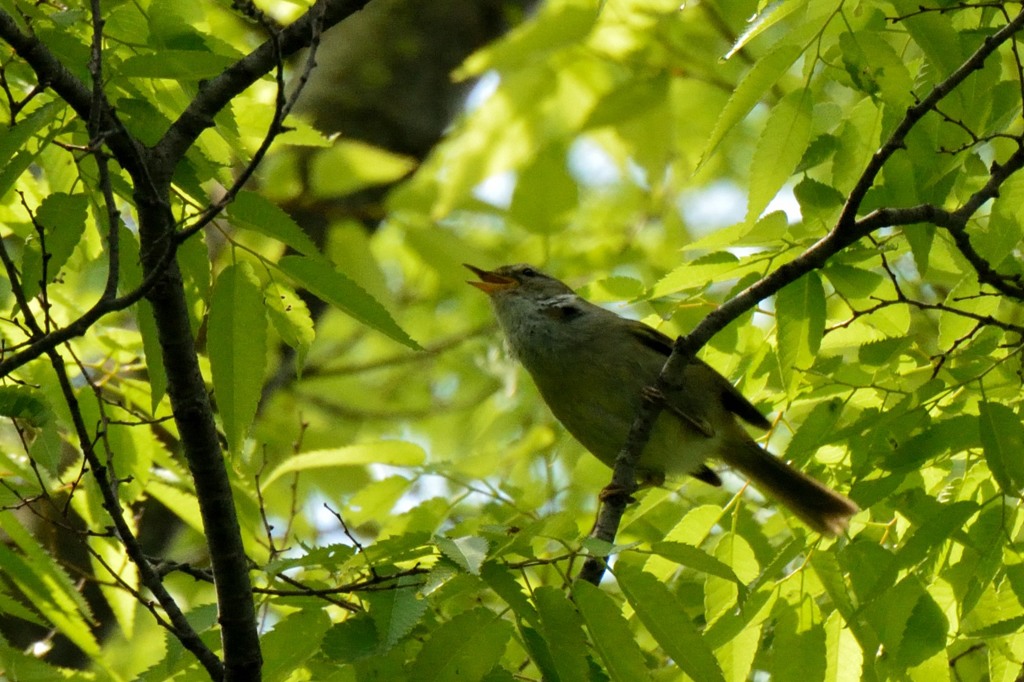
613 492
652 395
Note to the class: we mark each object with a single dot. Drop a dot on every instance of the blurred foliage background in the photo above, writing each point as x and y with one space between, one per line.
412 509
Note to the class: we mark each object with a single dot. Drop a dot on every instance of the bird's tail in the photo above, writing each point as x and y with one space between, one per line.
817 505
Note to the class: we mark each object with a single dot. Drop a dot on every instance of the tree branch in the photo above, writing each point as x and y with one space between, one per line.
846 231
216 93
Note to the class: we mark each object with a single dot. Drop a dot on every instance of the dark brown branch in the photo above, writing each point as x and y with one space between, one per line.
219 91
282 108
182 628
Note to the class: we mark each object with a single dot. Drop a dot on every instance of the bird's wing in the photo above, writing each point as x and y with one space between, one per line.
732 399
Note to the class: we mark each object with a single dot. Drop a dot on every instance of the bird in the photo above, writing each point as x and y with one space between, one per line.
593 368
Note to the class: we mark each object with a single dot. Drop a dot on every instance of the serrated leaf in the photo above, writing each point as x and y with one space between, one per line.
467 552
182 502
391 452
1002 437
613 639
292 320
814 431
294 639
238 349
499 579
326 283
665 619
396 612
779 150
537 647
253 211
800 314
770 15
924 634
843 655
882 352
695 558
465 648
762 76
1000 628
13 138
563 632
21 402
698 274
62 217
909 623
46 586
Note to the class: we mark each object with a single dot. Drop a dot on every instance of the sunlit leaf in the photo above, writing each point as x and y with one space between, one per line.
392 452
663 617
464 648
335 288
611 634
238 349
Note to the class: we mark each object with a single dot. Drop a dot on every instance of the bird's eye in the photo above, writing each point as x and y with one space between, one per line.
529 272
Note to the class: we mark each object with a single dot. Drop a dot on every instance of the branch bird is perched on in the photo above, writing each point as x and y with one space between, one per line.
593 367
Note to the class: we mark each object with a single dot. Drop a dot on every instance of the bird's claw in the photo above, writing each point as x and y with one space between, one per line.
612 492
652 395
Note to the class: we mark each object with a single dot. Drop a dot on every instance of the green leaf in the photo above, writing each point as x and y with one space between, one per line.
186 65
391 452
695 558
844 656
468 552
816 430
548 176
238 349
909 623
45 584
779 150
769 15
350 165
762 77
698 274
351 640
326 283
798 650
610 632
924 634
464 649
292 320
62 216
800 311
14 138
539 652
665 619
556 25
396 612
563 632
1010 626
25 404
1002 437
253 211
131 278
500 579
294 640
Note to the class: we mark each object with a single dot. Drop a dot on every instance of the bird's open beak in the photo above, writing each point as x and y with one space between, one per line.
491 282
